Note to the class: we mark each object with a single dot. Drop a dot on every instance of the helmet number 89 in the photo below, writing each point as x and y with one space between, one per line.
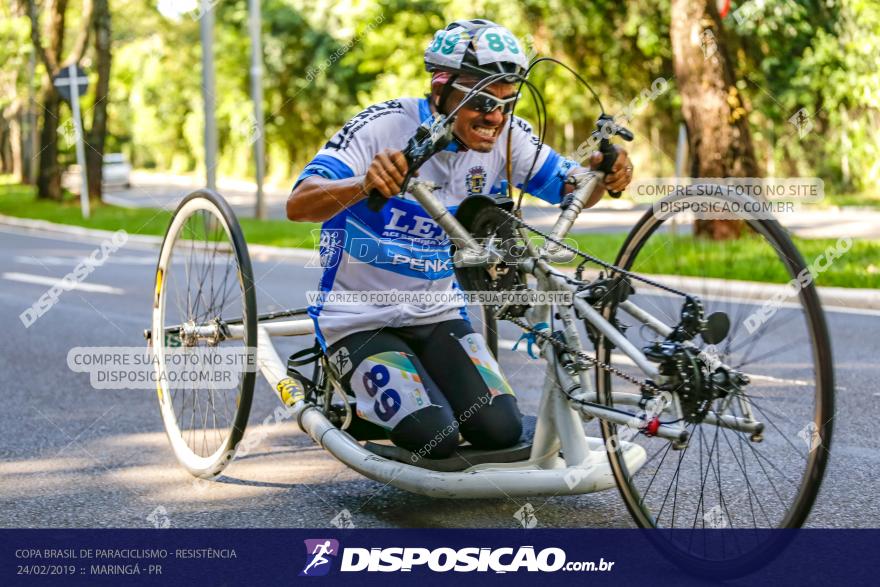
498 43
444 44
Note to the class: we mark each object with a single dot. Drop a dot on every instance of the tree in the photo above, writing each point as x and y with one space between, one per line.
818 108
13 90
98 131
49 174
713 108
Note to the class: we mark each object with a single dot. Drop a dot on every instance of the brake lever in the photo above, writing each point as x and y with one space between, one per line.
430 138
605 129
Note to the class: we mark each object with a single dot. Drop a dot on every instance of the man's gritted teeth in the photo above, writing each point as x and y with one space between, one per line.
487 132
481 136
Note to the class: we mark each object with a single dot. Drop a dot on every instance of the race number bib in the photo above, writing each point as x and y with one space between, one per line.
388 388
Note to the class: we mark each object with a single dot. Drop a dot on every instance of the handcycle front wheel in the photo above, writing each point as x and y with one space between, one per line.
725 479
204 333
490 226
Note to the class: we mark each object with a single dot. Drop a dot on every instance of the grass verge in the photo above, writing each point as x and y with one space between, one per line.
20 201
746 259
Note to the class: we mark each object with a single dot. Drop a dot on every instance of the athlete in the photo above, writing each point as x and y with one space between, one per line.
418 369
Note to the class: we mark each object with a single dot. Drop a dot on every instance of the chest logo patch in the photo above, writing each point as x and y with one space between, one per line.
475 180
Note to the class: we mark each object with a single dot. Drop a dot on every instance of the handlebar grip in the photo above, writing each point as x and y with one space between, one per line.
609 156
376 201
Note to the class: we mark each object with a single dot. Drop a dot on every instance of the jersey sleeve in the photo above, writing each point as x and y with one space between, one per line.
352 148
547 177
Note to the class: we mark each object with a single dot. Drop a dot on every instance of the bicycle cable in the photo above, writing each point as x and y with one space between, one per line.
565 392
541 121
643 385
570 70
591 258
541 115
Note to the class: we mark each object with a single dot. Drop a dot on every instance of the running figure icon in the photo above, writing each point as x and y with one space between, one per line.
318 556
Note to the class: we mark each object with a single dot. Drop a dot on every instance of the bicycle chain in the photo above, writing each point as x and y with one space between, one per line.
589 257
643 385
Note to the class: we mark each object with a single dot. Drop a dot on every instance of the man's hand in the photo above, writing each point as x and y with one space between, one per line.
621 172
386 173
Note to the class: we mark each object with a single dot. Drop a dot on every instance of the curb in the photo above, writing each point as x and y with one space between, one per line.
147 241
832 297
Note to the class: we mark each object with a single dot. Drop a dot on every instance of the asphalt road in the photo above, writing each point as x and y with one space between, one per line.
74 456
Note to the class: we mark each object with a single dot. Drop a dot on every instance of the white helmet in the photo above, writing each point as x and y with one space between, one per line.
476 47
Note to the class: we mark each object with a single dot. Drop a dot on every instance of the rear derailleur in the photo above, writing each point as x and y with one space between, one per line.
696 376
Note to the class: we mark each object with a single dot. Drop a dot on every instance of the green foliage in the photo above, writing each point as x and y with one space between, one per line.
155 99
15 51
821 57
322 65
324 61
746 259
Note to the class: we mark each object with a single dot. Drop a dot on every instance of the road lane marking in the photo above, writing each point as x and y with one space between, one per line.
68 261
69 285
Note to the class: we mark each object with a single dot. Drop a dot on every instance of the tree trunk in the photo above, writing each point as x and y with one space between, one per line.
98 131
15 140
49 174
713 110
5 151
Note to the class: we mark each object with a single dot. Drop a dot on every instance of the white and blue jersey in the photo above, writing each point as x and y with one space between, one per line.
400 247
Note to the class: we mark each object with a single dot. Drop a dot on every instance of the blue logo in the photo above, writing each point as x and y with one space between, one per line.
318 556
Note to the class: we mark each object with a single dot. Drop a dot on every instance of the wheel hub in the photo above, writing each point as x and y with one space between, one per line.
686 374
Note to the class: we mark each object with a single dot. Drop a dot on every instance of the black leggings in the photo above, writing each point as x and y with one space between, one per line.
425 384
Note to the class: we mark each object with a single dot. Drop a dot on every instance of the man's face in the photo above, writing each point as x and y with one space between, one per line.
478 130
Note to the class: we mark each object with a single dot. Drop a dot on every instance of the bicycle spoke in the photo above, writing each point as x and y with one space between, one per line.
745 482
201 287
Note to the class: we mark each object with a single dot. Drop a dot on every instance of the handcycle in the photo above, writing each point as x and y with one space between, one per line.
703 425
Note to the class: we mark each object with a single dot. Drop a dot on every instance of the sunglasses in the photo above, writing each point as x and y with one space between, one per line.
487 103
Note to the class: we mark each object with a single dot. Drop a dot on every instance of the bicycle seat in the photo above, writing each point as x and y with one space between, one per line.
465 456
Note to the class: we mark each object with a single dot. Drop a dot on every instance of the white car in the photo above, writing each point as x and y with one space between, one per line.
117 170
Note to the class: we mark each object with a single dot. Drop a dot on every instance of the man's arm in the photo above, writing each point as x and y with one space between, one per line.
617 180
317 199
552 169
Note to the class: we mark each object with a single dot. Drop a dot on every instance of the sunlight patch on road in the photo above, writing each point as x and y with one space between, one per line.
42 466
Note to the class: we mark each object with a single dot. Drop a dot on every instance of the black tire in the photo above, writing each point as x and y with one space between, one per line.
490 223
205 232
782 413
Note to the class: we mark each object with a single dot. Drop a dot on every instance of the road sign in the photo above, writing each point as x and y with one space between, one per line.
67 78
71 83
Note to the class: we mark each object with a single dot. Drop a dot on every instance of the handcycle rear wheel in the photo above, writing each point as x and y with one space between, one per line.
726 479
204 284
